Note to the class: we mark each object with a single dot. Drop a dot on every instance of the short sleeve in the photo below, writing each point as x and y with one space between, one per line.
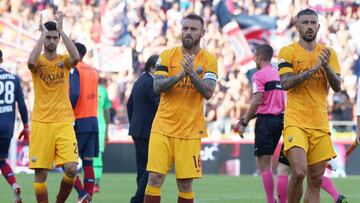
257 84
162 64
211 72
285 61
334 62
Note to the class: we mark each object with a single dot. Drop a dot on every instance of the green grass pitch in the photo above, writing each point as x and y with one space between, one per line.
118 188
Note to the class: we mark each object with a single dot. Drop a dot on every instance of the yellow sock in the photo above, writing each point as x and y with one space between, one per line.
68 179
41 192
152 190
40 187
186 195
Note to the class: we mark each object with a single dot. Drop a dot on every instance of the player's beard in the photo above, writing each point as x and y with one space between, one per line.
51 48
308 39
188 44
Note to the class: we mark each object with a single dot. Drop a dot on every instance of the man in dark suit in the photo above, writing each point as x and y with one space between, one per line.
141 107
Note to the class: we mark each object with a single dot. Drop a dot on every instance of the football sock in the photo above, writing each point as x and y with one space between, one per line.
78 187
282 185
7 172
89 177
41 192
152 194
268 182
66 186
186 197
330 188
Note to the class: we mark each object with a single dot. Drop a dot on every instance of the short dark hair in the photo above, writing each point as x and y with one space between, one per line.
81 48
195 17
265 51
306 11
151 62
50 25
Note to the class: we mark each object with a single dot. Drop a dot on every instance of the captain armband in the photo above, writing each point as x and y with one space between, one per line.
210 76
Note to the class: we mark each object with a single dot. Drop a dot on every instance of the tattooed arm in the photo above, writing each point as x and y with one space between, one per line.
163 84
291 80
333 78
205 87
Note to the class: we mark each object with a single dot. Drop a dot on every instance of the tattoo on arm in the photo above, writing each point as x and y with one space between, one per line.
205 87
333 78
163 84
290 80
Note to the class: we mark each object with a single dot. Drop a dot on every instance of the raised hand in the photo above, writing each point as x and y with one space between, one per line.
188 63
42 27
325 56
59 16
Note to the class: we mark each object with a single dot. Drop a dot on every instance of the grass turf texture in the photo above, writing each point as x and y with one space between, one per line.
211 188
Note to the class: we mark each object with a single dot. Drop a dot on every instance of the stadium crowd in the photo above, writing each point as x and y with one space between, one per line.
147 27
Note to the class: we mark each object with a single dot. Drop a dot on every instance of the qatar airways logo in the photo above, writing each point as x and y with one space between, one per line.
52 78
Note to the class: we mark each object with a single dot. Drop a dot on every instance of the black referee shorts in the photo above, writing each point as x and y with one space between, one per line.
268 129
282 158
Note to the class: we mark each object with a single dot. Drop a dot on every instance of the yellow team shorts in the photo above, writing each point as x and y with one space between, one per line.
51 142
316 143
183 153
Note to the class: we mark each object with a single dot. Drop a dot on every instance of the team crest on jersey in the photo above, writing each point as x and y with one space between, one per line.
290 138
60 64
199 70
282 61
33 159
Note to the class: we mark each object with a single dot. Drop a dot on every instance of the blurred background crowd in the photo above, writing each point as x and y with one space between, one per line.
121 34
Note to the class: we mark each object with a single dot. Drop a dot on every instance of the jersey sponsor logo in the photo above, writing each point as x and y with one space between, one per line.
185 83
210 75
317 76
52 78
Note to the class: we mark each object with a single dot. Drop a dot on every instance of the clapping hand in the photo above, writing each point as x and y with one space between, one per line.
42 27
59 16
188 64
323 58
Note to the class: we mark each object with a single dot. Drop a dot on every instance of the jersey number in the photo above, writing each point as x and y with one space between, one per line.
196 161
7 89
